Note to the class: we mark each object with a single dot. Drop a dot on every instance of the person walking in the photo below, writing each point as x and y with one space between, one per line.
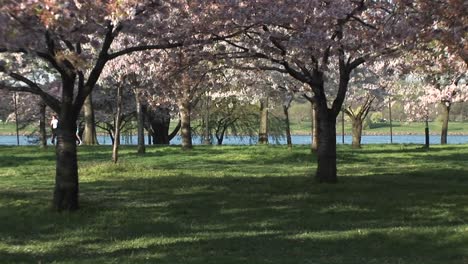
53 126
78 138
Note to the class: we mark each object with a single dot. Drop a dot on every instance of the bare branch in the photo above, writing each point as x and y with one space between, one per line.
31 87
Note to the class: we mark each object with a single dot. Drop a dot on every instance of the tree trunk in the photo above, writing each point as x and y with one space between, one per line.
66 178
314 124
160 121
206 123
288 127
118 116
426 134
150 138
263 129
445 121
175 131
42 125
220 135
141 149
89 135
357 132
326 151
186 131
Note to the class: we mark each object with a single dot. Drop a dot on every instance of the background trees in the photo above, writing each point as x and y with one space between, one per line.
62 34
319 45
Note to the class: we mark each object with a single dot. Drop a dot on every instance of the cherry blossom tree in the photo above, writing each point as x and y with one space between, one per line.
61 34
437 76
304 42
445 78
367 92
443 23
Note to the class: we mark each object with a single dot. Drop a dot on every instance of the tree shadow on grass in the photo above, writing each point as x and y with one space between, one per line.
183 219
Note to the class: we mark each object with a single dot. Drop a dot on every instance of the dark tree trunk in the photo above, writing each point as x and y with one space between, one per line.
357 132
175 131
89 135
111 135
288 127
160 121
186 131
160 135
263 129
141 149
150 138
42 125
220 135
445 122
326 151
66 177
219 140
426 134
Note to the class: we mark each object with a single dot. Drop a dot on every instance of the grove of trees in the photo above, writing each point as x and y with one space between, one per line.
114 63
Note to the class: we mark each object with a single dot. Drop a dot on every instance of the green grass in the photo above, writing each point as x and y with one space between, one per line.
239 204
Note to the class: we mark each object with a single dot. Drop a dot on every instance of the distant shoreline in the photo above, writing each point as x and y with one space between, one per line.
305 134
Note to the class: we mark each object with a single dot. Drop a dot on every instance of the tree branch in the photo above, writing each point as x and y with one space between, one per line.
31 87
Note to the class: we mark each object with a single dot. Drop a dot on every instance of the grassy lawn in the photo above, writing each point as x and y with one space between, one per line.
239 204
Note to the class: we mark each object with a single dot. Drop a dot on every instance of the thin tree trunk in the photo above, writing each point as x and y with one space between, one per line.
445 122
140 124
314 124
263 130
175 131
426 134
42 125
206 123
89 134
357 132
118 116
220 136
186 131
288 127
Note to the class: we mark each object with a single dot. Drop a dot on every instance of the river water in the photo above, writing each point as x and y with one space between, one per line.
297 139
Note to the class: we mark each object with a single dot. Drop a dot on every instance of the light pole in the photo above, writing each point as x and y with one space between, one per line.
390 117
342 126
16 119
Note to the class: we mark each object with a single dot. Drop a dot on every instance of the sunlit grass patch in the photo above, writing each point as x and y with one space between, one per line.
239 204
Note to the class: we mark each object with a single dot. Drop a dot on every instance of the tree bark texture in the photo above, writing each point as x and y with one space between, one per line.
326 151
89 134
426 134
288 127
66 178
313 127
141 149
263 128
118 116
206 122
160 120
185 131
43 125
357 132
445 121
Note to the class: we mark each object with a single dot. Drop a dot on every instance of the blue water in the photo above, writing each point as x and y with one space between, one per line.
385 139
